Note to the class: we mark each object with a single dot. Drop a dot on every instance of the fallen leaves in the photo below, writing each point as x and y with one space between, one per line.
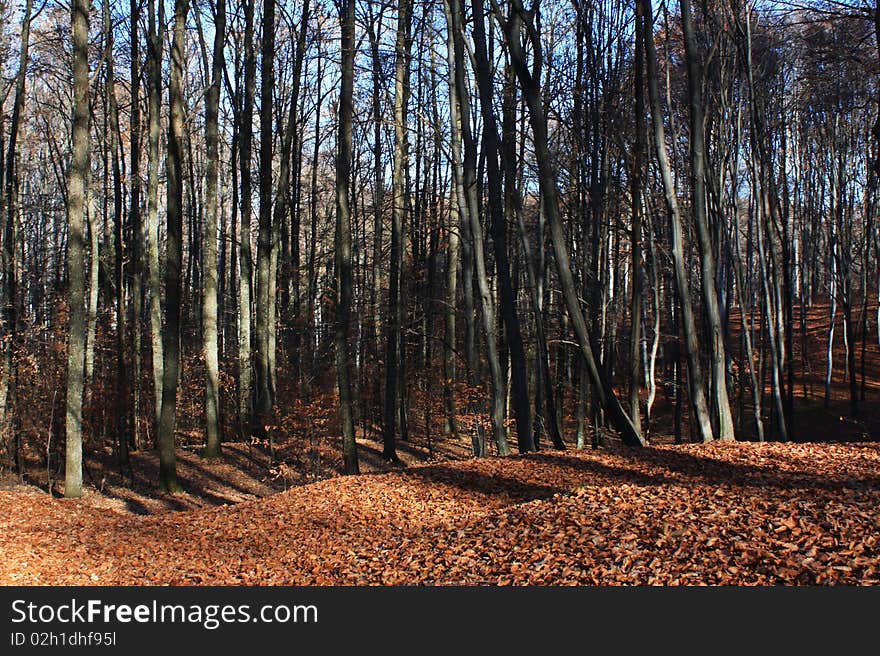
720 514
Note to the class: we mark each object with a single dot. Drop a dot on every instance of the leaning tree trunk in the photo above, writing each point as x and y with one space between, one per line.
692 349
76 206
469 187
545 404
173 281
491 149
531 84
698 200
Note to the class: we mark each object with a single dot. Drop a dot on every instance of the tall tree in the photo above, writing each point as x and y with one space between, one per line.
476 251
8 234
245 147
692 350
134 216
343 273
403 45
530 82
209 300
155 45
718 357
636 182
76 207
491 152
264 313
173 268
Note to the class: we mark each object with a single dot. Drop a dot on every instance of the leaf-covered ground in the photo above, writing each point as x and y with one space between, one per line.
739 513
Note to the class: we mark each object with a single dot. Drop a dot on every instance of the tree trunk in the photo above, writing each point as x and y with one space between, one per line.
343 236
692 349
264 313
77 192
173 281
135 220
469 186
122 380
531 84
9 218
636 228
545 404
245 401
209 300
154 58
399 201
718 358
490 149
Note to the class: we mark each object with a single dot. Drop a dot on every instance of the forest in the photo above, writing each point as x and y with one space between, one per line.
428 285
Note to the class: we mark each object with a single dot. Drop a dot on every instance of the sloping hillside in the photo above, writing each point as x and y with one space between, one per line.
718 514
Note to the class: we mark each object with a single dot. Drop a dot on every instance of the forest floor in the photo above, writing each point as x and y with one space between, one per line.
724 513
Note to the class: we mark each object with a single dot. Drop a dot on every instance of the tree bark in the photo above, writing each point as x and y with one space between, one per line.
264 313
491 151
692 349
156 26
531 84
135 218
636 183
245 401
173 280
718 359
77 192
343 272
403 46
209 300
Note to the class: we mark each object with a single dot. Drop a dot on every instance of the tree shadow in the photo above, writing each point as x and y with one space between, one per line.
519 491
723 472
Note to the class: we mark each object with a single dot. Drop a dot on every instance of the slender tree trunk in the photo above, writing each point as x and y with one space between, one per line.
265 313
173 281
9 207
636 236
135 219
122 380
491 151
245 402
343 236
403 46
92 297
209 300
76 194
531 84
313 228
469 186
378 202
154 57
545 404
692 350
718 360
287 205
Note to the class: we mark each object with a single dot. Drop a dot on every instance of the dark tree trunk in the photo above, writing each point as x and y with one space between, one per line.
343 236
174 175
